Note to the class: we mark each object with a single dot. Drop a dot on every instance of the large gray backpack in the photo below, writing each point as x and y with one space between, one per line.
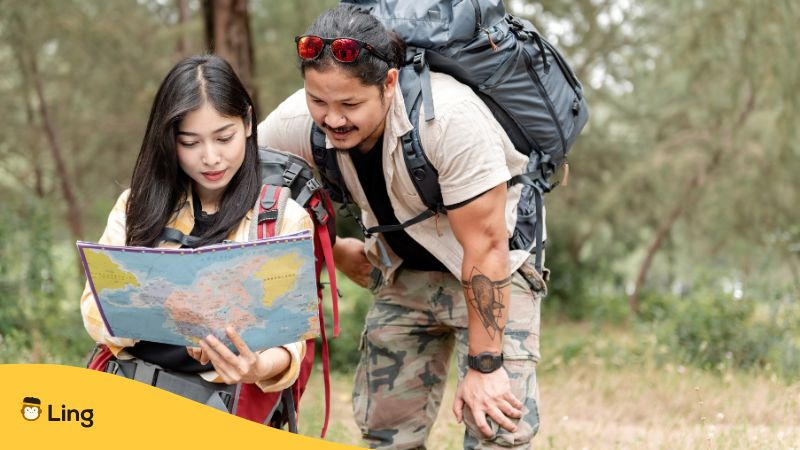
522 78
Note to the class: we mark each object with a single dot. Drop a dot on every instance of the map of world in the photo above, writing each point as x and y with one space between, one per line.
265 290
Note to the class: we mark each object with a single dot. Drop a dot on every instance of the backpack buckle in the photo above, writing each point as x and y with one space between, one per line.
290 174
419 61
320 213
313 185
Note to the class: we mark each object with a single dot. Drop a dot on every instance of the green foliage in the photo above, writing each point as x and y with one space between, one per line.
39 313
680 93
354 303
717 330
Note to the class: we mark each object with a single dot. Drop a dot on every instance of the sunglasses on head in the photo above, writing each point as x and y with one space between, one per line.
344 50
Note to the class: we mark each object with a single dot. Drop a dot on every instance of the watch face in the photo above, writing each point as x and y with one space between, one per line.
485 363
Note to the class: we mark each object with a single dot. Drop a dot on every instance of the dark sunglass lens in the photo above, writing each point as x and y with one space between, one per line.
309 47
345 50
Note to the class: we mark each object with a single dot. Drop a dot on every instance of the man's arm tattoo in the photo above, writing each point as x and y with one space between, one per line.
485 296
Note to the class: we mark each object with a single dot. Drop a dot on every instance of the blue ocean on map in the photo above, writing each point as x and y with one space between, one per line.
266 290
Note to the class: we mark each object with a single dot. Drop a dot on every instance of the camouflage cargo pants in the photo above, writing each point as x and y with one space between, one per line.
410 333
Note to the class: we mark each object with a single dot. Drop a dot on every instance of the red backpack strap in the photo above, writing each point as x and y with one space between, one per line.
267 210
323 241
254 404
100 358
320 206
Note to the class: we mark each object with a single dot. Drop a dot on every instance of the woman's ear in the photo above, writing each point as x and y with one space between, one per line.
248 121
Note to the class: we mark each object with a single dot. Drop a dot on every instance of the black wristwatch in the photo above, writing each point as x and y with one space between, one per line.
485 362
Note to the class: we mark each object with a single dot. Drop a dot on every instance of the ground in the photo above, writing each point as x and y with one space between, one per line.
589 403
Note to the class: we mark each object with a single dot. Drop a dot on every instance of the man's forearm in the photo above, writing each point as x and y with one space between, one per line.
487 288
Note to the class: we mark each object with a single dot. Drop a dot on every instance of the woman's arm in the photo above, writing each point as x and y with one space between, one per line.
114 234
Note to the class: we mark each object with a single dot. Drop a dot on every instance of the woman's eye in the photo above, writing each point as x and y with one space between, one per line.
225 139
350 105
188 144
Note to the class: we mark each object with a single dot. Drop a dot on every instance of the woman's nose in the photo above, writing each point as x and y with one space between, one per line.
211 155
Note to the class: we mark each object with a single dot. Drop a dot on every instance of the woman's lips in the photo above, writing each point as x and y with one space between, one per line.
214 176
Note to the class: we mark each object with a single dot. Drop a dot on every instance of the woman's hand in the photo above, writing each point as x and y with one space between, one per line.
197 353
350 259
246 367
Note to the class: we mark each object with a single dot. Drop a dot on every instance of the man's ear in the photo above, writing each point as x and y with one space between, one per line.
389 84
248 120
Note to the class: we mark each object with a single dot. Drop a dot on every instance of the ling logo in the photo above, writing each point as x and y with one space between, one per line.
32 410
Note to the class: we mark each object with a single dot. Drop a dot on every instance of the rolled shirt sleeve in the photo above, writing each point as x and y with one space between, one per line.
114 234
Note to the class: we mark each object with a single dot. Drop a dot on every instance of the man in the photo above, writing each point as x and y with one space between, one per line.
446 282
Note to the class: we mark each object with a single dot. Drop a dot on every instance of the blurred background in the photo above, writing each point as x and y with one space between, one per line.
673 314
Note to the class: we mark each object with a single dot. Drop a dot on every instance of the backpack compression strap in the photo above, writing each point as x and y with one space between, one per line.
271 202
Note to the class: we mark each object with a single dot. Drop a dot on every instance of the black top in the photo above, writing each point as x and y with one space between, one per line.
369 167
168 356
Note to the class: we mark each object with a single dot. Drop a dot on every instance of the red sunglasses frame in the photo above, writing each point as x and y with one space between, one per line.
330 41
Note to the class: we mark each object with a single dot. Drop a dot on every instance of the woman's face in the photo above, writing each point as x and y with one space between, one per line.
211 150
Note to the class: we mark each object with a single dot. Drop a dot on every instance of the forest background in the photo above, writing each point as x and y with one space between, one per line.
674 248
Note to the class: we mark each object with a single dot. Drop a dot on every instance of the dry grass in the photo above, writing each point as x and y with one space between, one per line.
586 404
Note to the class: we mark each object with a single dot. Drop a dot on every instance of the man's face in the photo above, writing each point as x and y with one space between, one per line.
351 114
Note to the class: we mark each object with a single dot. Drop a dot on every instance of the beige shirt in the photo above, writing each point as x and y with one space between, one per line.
465 144
295 218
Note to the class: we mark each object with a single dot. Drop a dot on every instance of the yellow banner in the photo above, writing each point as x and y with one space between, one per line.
51 406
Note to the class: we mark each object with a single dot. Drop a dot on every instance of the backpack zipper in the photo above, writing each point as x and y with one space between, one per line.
543 93
568 74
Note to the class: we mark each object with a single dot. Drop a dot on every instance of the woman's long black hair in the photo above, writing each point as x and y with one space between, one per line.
158 185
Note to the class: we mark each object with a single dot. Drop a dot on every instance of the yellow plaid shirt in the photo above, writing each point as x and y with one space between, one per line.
295 219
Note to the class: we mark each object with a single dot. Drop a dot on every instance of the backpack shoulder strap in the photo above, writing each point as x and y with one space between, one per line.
268 211
328 166
422 173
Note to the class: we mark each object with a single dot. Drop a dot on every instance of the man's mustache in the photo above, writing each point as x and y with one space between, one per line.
339 129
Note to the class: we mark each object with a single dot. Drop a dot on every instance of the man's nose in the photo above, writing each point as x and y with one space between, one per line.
335 120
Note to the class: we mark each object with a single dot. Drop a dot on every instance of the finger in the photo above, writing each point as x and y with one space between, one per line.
221 349
501 419
204 357
513 400
222 367
509 410
239 343
458 408
480 422
192 351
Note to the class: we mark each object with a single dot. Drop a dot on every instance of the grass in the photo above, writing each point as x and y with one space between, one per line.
594 395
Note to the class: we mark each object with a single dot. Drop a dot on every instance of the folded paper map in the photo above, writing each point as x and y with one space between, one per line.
265 290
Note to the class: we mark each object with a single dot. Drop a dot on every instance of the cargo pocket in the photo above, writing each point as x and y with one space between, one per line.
361 385
522 376
375 281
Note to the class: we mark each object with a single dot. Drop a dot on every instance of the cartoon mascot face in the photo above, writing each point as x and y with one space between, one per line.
31 408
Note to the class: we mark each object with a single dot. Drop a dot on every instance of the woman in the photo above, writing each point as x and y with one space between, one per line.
196 172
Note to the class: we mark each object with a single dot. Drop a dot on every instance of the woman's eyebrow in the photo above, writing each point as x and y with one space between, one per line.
189 133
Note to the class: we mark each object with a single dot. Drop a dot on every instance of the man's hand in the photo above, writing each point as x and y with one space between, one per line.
350 259
488 394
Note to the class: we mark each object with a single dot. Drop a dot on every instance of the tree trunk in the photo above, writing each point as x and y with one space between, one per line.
691 193
227 30
182 47
66 181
